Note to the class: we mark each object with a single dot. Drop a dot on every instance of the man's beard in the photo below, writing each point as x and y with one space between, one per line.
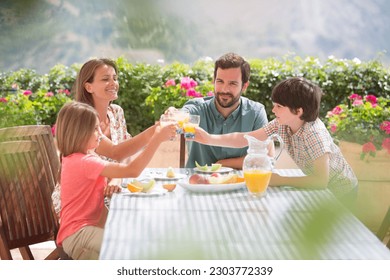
226 104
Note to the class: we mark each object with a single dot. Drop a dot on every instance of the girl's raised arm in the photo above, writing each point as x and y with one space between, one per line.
126 148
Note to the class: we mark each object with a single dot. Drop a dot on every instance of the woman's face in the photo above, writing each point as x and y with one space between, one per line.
105 86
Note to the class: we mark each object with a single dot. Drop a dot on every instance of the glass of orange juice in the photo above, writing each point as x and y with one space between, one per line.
182 117
257 181
189 127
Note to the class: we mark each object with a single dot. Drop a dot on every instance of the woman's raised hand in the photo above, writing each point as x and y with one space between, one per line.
166 132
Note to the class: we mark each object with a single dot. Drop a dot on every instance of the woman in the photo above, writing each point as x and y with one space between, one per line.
97 85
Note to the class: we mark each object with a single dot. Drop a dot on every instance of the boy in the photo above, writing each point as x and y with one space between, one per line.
296 105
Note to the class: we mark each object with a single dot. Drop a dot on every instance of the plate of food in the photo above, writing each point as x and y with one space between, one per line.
154 192
142 188
213 168
169 175
221 183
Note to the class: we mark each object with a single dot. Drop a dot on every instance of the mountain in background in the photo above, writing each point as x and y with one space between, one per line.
39 34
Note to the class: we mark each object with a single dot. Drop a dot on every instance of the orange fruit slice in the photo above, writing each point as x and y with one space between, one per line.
240 179
133 188
169 187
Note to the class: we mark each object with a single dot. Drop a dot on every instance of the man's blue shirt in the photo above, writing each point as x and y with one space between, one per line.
248 116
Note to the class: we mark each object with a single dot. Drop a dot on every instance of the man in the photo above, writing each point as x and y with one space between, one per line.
225 112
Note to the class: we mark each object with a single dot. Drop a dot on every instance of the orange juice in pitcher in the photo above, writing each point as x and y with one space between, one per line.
257 181
257 165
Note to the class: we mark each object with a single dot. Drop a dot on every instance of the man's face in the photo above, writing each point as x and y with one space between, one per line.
228 87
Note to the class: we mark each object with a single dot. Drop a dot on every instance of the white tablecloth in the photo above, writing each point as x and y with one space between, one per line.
285 224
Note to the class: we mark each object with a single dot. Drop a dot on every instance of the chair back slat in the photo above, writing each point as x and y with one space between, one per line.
41 134
27 214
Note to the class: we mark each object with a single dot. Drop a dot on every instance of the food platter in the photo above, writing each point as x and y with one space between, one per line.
154 192
204 188
222 170
163 177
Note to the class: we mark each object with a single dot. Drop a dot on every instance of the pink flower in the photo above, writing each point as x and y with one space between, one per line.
193 93
357 102
3 100
386 144
210 93
170 82
27 92
49 94
53 130
65 91
333 128
385 126
372 99
187 83
337 110
354 97
368 147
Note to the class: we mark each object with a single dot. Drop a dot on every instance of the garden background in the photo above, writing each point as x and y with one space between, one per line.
30 98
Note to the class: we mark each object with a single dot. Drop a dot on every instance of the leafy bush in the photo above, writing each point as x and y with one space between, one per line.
180 83
135 82
62 77
26 107
144 95
337 78
363 120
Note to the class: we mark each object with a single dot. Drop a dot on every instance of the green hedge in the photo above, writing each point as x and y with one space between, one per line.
144 96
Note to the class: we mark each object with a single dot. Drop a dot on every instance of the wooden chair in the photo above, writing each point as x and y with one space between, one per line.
43 136
384 228
27 214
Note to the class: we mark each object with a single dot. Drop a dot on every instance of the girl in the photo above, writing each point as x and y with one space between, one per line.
84 175
308 142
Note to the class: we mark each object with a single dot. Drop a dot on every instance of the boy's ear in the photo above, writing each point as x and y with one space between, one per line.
299 112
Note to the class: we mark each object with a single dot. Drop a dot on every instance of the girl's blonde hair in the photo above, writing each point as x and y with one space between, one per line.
75 125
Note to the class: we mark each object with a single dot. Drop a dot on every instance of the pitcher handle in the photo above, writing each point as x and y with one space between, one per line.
279 139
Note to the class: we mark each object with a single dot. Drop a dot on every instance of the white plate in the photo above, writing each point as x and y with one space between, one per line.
153 192
222 170
163 177
210 187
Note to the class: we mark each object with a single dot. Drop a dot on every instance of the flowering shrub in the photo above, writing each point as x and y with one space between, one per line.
175 94
364 120
23 107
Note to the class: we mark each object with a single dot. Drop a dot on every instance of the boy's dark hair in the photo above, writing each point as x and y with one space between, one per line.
232 60
297 92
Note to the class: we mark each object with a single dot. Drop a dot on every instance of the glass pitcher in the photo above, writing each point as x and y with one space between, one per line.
258 165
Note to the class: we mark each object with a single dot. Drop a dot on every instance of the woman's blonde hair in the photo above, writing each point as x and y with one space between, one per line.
75 125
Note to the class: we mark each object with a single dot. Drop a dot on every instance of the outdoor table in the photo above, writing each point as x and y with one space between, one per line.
285 224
